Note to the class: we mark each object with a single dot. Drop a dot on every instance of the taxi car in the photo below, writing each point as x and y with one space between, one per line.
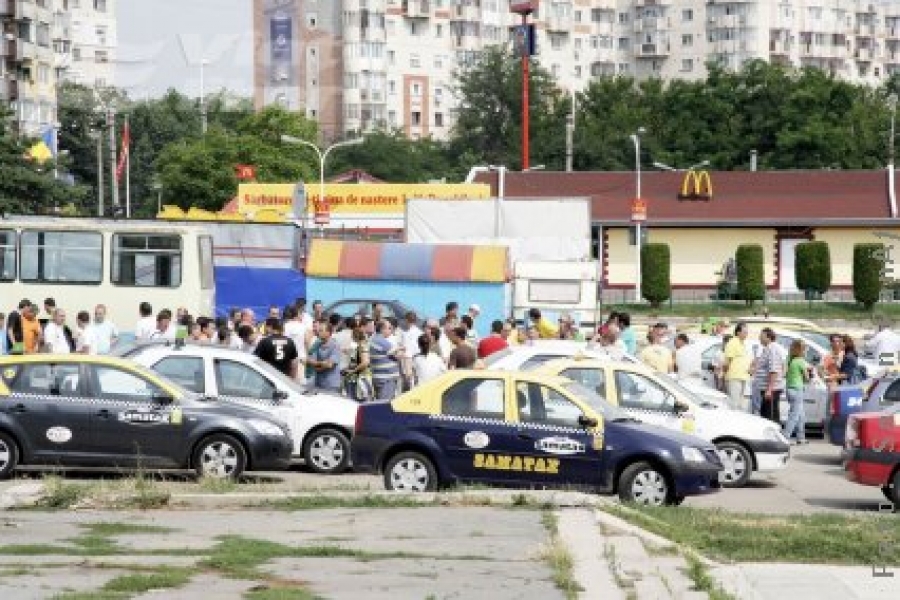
526 430
872 451
321 423
81 410
746 443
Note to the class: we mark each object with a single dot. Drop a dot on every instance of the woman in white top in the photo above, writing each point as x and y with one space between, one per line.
427 365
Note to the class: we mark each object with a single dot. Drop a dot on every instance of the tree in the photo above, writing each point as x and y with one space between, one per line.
393 157
488 125
868 269
656 267
812 268
200 172
751 285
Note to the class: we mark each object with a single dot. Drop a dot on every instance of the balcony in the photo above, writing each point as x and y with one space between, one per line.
558 23
658 50
465 13
26 11
779 47
645 3
650 24
416 9
892 33
865 31
892 58
864 54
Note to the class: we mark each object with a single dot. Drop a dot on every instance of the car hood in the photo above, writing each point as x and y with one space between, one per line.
662 435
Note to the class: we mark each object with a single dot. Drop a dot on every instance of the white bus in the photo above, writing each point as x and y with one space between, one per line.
84 262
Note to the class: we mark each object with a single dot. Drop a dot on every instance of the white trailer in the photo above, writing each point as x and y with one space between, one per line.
557 287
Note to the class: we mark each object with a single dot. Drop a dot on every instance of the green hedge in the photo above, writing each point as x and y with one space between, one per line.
868 267
751 283
656 267
812 267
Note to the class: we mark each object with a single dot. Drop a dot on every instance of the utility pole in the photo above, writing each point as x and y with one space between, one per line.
570 136
99 172
111 123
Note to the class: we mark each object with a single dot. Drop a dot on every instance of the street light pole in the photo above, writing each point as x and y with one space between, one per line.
636 140
203 123
892 102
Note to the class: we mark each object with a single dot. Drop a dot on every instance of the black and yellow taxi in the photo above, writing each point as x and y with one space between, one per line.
98 411
525 429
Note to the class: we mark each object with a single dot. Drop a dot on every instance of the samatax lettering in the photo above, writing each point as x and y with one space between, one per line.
527 464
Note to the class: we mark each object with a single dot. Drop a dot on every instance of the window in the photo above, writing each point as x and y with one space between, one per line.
539 359
46 380
639 392
240 381
115 384
186 371
143 260
415 61
594 379
312 20
7 255
101 56
438 119
207 273
416 118
687 40
416 90
483 398
100 5
687 15
62 257
554 292
892 394
632 233
42 35
687 65
540 404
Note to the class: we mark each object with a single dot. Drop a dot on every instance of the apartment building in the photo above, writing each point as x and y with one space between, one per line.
91 28
361 64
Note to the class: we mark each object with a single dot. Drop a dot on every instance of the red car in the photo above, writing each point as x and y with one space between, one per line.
872 451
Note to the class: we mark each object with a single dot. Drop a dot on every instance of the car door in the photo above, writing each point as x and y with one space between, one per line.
646 399
239 382
708 363
553 445
49 402
472 428
134 420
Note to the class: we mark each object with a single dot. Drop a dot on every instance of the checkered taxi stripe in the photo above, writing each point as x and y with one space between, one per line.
16 396
502 423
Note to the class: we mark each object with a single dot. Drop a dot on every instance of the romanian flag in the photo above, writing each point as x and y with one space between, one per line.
42 151
124 157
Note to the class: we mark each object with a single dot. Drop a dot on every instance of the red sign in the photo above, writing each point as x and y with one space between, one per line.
323 212
245 172
638 210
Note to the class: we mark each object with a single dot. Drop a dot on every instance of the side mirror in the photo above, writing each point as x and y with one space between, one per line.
163 398
681 407
279 395
587 422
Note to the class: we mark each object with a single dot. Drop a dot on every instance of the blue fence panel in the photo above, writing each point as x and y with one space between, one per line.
256 288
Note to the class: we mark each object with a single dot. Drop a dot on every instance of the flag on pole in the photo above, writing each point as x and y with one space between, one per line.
123 156
43 150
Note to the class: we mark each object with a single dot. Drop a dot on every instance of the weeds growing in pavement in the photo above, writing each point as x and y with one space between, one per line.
703 582
559 559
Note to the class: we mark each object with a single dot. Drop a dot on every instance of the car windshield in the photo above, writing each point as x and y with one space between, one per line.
608 411
820 339
690 395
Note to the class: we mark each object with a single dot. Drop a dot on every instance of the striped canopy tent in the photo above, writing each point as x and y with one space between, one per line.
333 259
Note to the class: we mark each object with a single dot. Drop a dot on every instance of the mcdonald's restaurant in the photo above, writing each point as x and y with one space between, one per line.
705 215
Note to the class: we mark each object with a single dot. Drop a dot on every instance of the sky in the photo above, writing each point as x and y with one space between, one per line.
162 44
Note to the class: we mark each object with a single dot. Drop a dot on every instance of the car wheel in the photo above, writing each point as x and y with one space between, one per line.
410 472
644 484
327 451
220 456
677 500
737 463
9 455
893 493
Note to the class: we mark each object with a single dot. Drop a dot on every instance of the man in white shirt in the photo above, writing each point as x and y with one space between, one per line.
102 335
163 329
295 327
409 341
146 325
688 359
55 338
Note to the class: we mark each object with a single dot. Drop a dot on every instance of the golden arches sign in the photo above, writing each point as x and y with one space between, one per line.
697 185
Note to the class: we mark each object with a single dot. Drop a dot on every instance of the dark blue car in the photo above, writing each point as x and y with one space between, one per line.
873 395
527 430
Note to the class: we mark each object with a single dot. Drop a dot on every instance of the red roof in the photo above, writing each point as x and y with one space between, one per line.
355 176
773 197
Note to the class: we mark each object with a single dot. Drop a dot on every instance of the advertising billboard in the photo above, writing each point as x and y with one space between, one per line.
280 15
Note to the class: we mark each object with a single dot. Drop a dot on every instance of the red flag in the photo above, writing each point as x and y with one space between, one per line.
126 146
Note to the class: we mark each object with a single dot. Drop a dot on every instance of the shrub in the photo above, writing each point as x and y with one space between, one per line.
868 267
812 267
656 266
751 283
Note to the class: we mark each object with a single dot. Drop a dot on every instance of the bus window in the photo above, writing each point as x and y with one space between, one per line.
207 277
7 255
145 260
62 257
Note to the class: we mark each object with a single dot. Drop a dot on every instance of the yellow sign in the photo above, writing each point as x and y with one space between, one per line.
528 464
696 186
352 198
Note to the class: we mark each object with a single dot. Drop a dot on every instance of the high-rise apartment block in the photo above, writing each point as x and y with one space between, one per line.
45 42
359 64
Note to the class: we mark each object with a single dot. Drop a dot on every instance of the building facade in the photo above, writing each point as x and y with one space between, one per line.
360 64
45 42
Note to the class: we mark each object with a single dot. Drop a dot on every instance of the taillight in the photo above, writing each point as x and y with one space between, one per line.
357 424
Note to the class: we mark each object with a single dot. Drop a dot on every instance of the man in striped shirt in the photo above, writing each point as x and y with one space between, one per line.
384 362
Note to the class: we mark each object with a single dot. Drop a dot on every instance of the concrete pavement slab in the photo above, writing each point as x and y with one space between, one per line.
752 581
578 531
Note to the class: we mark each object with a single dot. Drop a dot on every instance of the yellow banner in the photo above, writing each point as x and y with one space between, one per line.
353 198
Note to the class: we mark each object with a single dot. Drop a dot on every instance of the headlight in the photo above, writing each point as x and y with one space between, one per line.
266 428
691 454
771 433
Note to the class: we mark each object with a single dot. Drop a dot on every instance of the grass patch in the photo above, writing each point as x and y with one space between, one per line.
803 310
141 492
94 595
58 493
138 583
275 593
217 485
367 501
703 582
748 537
559 559
112 529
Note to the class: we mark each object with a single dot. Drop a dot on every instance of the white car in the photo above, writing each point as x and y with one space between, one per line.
321 424
746 443
530 356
